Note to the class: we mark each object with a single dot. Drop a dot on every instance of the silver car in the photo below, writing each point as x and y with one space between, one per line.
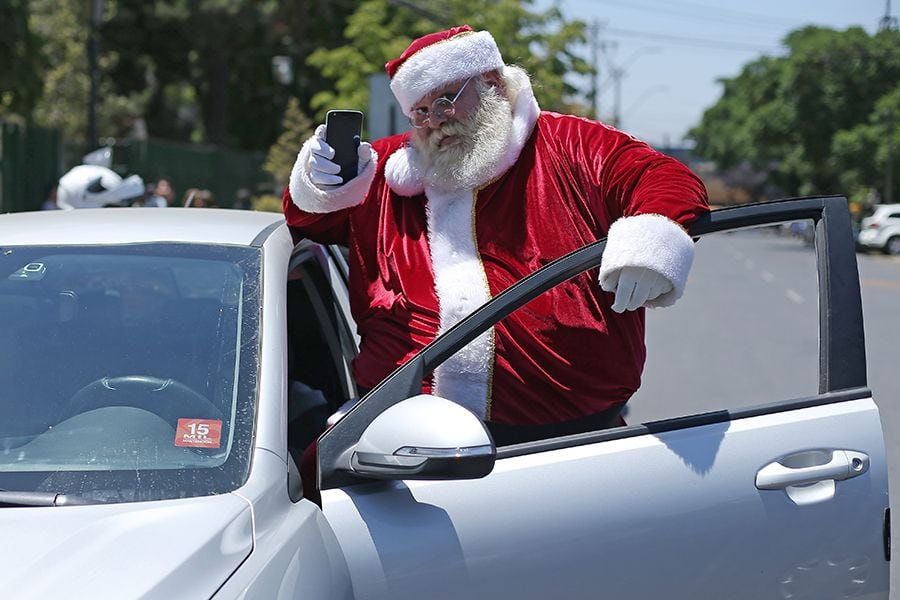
163 371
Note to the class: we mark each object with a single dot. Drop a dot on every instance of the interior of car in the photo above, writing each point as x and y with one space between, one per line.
316 387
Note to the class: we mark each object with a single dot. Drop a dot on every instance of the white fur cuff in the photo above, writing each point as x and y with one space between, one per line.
310 198
654 242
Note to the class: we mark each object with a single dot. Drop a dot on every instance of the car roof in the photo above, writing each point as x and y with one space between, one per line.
93 226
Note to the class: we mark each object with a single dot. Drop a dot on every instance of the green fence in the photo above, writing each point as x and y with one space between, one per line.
220 170
30 162
33 158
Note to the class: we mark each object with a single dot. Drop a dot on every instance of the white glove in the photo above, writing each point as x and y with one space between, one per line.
634 286
322 170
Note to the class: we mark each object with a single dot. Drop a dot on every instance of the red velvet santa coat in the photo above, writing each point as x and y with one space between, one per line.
421 258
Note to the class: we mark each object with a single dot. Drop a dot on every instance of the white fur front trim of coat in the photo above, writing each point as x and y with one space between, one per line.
461 287
310 198
654 242
459 278
402 173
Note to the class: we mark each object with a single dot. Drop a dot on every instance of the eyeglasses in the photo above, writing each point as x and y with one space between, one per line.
442 108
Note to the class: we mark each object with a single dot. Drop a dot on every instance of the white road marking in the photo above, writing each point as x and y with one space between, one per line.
768 277
794 296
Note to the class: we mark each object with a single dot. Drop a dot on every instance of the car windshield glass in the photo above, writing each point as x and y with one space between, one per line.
127 372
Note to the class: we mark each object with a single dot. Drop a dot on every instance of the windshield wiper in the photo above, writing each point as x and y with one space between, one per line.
10 498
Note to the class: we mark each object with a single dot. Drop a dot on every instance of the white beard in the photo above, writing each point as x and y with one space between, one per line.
471 159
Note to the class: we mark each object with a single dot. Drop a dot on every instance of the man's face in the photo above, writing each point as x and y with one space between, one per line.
458 150
164 189
454 101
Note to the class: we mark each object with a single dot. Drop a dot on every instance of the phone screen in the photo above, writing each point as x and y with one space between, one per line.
343 129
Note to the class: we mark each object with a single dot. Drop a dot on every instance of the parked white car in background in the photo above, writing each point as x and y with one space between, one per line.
881 229
162 371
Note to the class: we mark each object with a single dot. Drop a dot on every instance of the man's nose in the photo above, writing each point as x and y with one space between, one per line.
436 121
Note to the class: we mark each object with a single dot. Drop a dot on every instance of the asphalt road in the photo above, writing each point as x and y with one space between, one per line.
745 333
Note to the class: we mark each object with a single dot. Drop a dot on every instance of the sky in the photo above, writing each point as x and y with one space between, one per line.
671 53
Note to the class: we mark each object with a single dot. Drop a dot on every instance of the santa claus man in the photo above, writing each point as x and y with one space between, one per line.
483 190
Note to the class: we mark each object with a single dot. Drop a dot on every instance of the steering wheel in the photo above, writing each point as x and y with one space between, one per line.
168 398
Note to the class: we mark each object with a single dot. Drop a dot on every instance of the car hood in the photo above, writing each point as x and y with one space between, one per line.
166 549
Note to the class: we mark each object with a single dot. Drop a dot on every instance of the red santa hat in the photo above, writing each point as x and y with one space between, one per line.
438 59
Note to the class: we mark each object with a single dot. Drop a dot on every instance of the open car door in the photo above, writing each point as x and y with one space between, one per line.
779 498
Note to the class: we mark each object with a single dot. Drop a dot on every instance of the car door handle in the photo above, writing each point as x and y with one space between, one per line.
791 470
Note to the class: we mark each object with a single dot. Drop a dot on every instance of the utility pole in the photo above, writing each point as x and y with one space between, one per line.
887 23
614 74
95 16
617 74
888 115
595 63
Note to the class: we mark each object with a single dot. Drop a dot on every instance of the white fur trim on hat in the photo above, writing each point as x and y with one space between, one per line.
441 63
313 199
654 242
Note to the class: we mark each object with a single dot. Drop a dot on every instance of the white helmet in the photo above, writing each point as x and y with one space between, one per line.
93 186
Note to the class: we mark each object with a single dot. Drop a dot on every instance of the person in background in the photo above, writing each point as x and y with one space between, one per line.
485 189
163 194
242 200
189 195
204 199
49 202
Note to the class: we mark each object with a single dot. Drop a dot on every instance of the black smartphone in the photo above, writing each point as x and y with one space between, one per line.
343 130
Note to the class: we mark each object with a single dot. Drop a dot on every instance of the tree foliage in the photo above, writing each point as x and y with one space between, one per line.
379 30
20 77
296 127
817 119
189 70
202 70
209 63
204 64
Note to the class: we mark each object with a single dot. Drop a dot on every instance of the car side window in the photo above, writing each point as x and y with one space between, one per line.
745 333
318 365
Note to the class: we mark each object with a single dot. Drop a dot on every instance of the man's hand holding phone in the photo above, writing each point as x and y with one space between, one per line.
337 156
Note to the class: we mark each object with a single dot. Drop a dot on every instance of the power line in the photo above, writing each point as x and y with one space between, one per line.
697 11
740 15
692 41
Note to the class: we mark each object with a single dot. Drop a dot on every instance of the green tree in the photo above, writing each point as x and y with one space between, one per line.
204 66
187 70
295 128
62 24
20 77
869 153
379 30
207 65
787 114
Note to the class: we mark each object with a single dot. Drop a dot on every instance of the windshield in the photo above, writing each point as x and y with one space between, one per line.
127 372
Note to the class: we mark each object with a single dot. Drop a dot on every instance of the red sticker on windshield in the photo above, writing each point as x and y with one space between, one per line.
199 433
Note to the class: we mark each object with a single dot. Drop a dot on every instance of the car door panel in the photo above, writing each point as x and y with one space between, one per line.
670 509
671 515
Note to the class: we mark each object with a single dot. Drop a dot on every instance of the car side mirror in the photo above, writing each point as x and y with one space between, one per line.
424 437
